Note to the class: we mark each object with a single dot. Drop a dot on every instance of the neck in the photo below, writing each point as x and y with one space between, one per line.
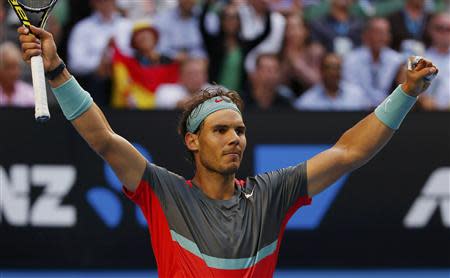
266 101
331 90
185 14
375 54
8 88
230 41
215 185
106 16
295 47
151 55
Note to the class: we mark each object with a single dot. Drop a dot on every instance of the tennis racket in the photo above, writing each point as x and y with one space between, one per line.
36 12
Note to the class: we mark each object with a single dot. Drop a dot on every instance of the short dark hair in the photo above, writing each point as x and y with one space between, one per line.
200 97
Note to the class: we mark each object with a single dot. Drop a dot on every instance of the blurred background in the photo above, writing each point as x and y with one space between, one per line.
307 71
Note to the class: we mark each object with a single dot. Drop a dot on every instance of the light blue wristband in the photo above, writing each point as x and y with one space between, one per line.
73 100
394 108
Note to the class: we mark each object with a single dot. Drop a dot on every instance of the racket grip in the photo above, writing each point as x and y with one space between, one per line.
40 92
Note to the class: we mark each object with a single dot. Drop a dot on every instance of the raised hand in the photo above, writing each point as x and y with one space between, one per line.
40 42
416 78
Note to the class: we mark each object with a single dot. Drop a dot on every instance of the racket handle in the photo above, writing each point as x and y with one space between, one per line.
40 92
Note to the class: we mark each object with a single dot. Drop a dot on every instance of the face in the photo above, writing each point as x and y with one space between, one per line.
221 142
268 71
440 31
194 75
295 30
230 20
144 40
345 4
417 3
331 71
378 35
104 6
10 68
186 5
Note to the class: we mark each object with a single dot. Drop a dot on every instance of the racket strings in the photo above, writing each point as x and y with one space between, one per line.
35 4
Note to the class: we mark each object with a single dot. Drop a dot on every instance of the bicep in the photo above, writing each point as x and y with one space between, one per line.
324 169
124 159
128 164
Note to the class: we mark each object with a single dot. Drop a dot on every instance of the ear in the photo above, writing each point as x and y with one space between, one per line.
191 141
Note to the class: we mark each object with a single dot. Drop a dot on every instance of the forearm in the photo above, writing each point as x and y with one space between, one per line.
363 141
91 124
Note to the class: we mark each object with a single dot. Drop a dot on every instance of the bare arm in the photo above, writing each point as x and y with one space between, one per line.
363 141
125 160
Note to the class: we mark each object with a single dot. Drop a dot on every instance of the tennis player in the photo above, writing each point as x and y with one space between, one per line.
215 225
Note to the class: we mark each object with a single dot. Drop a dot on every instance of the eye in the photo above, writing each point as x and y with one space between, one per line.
240 130
221 129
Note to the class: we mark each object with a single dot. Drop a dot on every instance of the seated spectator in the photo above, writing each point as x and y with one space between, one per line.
193 78
13 91
437 96
253 15
89 55
267 93
144 39
136 78
180 37
333 93
374 65
338 31
300 58
408 25
226 49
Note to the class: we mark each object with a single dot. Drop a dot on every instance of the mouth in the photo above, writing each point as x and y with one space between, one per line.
234 154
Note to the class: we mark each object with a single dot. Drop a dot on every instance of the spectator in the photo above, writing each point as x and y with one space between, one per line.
300 58
180 35
374 65
193 78
144 39
338 31
267 92
437 96
253 15
88 47
13 91
226 49
136 78
408 25
333 93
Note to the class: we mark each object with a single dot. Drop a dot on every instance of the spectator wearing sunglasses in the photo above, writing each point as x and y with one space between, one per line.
437 97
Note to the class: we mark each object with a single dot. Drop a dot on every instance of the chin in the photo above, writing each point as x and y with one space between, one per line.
232 169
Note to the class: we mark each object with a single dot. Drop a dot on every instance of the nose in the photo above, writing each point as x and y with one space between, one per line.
234 138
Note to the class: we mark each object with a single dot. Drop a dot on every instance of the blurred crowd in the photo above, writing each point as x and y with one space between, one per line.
308 55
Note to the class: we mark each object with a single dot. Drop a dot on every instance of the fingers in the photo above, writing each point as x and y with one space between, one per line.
421 65
427 71
38 32
31 45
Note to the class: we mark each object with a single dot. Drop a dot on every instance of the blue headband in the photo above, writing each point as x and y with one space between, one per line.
206 108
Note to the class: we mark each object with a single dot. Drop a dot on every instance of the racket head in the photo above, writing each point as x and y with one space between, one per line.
34 12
